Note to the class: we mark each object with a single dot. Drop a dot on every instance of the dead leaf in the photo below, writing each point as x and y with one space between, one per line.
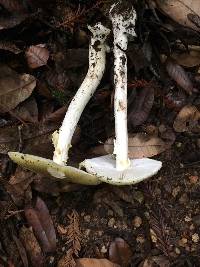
37 55
41 222
13 5
160 261
32 247
178 10
143 145
7 22
179 75
27 111
84 262
14 88
120 252
22 251
141 106
190 58
9 46
187 120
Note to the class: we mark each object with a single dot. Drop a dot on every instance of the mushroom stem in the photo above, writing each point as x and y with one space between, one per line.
97 60
123 24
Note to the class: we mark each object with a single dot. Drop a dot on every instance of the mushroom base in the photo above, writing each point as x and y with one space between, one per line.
104 168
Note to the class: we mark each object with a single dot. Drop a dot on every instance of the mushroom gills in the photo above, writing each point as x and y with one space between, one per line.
104 168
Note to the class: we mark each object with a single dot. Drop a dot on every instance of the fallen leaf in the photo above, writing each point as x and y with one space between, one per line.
190 58
14 88
143 145
7 22
120 252
179 75
178 10
37 55
141 106
13 5
27 111
9 46
187 120
41 222
84 262
32 247
22 251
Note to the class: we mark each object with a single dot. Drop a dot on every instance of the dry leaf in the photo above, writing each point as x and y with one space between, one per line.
32 247
190 58
120 252
8 46
84 262
27 111
141 106
7 22
178 10
37 56
187 120
14 88
22 251
179 75
41 222
13 5
143 145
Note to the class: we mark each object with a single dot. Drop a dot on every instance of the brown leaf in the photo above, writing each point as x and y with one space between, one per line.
21 250
187 120
178 10
142 145
9 46
14 88
37 56
120 252
57 115
32 247
13 5
41 222
190 58
178 74
141 106
27 111
84 262
7 22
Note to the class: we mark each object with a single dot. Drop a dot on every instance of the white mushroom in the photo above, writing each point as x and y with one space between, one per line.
62 139
122 170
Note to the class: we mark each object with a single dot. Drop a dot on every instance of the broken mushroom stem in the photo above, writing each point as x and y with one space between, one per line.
97 60
123 25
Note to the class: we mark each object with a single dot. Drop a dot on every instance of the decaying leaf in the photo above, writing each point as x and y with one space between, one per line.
37 56
14 88
41 222
143 145
190 58
179 75
187 120
9 46
22 251
27 111
13 5
11 21
120 252
86 262
178 10
32 247
141 106
160 261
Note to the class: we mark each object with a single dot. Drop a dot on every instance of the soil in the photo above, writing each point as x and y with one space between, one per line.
158 219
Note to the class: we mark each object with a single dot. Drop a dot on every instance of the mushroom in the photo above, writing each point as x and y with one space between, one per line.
121 170
62 139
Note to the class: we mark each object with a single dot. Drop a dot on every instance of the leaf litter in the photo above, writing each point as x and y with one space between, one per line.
90 222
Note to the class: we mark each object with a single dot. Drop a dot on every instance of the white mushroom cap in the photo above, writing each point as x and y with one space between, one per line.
105 169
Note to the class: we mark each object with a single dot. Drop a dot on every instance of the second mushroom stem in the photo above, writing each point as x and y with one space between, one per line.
123 24
97 59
